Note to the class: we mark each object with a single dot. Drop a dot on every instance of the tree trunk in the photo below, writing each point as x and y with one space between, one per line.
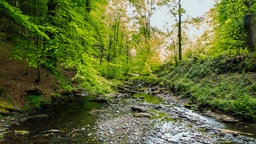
250 28
179 32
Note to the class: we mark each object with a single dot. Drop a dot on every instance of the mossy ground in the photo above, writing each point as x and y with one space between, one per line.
161 115
223 83
149 98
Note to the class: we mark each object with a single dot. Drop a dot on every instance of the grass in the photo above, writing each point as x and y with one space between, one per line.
224 83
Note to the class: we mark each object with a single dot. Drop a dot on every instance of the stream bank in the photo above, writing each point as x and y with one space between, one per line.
147 115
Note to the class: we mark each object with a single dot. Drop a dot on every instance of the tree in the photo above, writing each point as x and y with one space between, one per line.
60 35
179 30
250 25
236 29
176 10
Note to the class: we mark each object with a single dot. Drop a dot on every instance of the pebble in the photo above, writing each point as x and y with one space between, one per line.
184 135
111 132
187 128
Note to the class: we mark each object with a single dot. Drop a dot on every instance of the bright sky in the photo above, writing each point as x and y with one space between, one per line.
194 8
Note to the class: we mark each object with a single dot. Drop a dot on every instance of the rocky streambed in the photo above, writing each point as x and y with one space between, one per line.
138 114
136 120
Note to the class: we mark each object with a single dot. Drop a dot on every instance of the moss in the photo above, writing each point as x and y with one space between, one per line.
6 105
149 98
161 115
4 111
226 142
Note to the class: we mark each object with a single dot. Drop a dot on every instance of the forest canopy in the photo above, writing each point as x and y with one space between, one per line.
102 40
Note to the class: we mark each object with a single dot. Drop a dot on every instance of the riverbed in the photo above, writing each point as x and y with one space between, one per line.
147 117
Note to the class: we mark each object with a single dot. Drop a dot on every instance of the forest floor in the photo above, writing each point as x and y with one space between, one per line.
17 79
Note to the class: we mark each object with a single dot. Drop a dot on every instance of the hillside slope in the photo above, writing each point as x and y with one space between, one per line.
224 84
18 80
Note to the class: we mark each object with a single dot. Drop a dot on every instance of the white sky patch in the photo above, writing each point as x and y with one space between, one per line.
193 8
163 19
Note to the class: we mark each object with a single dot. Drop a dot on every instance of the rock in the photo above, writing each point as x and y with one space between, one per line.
111 132
92 112
7 106
53 131
220 117
21 132
139 109
228 119
100 99
235 133
148 115
184 135
188 106
4 111
40 116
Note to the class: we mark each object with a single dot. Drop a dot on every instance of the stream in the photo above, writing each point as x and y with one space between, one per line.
146 117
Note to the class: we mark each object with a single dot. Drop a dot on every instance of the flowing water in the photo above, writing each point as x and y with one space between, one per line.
74 123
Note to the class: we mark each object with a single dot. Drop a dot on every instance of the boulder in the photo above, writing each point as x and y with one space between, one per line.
148 115
4 111
21 132
139 109
100 99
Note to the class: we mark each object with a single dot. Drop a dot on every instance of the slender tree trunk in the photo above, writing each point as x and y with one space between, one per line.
109 48
127 51
250 26
179 32
101 53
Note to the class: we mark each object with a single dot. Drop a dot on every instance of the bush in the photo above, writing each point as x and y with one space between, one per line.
32 102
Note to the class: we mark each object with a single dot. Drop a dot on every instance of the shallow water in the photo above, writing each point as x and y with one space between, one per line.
73 123
66 123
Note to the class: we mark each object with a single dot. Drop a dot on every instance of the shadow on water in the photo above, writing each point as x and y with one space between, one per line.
65 123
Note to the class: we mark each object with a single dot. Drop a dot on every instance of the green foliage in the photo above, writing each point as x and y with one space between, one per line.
64 82
67 36
231 33
32 102
151 79
21 19
114 70
223 83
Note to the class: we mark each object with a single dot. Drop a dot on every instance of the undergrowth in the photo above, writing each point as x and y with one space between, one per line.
225 84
